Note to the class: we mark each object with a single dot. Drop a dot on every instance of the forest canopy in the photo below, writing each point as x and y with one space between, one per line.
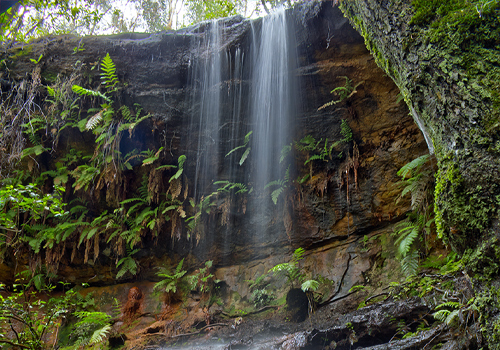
27 19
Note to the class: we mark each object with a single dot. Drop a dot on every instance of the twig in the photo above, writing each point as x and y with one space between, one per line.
14 344
377 295
252 312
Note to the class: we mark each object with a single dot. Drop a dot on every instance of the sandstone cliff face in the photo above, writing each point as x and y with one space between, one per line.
329 215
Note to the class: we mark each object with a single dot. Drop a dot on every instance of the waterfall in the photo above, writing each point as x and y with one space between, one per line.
205 121
236 91
272 111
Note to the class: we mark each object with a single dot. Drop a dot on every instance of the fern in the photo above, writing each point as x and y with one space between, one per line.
92 328
180 169
307 143
245 154
99 334
228 186
93 121
87 92
276 193
413 166
128 264
285 151
441 315
345 131
170 281
310 286
409 264
406 236
344 92
450 304
108 74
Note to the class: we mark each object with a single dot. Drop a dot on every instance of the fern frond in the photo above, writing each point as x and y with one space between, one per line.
452 318
407 237
244 156
315 157
130 200
441 315
274 183
86 92
310 286
450 304
285 151
345 131
307 143
108 72
93 121
276 193
409 265
99 334
414 165
181 161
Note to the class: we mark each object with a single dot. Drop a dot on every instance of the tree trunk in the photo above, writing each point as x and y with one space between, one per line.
446 60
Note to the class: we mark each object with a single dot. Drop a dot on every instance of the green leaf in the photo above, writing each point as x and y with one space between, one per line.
310 286
244 156
86 92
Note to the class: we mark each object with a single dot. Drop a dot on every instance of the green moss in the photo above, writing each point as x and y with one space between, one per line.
467 36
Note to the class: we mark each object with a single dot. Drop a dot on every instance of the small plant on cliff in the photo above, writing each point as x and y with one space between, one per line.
171 280
344 92
202 280
418 181
245 154
293 273
92 328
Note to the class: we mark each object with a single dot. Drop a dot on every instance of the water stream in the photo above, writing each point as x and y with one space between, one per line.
254 82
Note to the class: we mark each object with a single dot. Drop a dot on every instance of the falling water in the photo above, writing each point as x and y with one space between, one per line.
255 83
205 121
273 108
272 100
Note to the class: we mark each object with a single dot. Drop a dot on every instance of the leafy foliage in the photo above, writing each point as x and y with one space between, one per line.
26 317
202 280
245 154
291 270
344 92
91 328
128 265
108 75
170 281
280 186
417 180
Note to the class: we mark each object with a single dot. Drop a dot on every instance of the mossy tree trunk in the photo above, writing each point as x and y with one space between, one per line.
445 58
